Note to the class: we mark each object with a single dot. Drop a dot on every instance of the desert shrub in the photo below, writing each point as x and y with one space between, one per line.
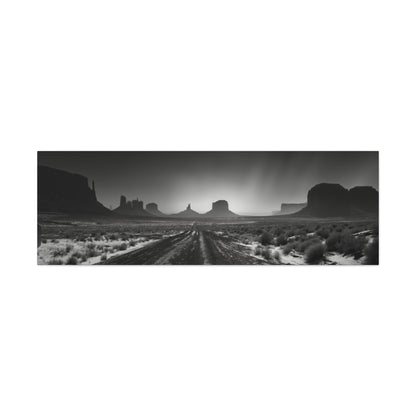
122 246
301 231
266 238
288 248
351 245
103 257
55 262
371 252
281 240
332 241
44 241
314 253
68 248
132 243
346 243
77 254
58 252
323 233
72 260
91 252
91 246
266 253
277 256
83 258
302 246
290 233
258 250
277 231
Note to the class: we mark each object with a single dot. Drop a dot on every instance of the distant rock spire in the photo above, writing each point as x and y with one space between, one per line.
123 201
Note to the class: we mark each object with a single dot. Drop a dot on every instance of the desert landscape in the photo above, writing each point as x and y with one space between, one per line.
286 242
334 226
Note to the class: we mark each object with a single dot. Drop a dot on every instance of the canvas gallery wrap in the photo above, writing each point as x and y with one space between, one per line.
208 208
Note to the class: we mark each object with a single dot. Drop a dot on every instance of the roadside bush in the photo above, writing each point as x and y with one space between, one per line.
277 231
332 241
303 246
314 253
103 257
290 233
351 245
258 251
288 248
72 260
266 253
346 243
371 252
122 246
59 252
281 240
266 238
301 231
91 253
132 243
277 256
55 262
323 233
68 248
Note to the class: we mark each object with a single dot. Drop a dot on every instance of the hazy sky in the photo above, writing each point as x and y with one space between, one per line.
252 182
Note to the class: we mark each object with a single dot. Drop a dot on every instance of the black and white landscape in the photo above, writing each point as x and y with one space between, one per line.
229 208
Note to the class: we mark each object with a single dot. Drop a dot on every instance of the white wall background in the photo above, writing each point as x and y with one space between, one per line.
197 75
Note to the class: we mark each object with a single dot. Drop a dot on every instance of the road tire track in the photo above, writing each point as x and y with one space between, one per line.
190 247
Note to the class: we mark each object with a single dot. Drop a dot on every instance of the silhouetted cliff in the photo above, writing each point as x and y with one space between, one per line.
131 208
187 213
333 200
220 209
364 198
61 191
286 209
153 209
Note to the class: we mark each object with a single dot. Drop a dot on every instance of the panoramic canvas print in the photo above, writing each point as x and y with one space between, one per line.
208 208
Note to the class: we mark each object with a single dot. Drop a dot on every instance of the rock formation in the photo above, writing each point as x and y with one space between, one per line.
131 208
286 209
123 202
154 210
61 191
364 198
220 209
188 213
333 200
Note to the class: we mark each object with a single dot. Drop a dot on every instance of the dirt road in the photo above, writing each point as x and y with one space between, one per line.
195 246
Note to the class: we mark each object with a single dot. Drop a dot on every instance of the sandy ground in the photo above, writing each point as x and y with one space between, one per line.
61 250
